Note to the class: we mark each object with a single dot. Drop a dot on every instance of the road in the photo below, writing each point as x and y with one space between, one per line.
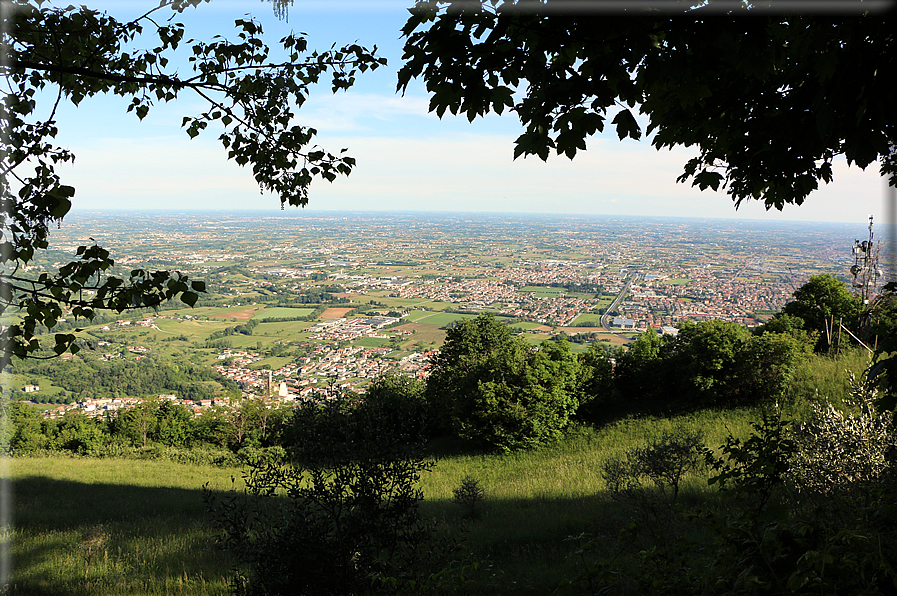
630 277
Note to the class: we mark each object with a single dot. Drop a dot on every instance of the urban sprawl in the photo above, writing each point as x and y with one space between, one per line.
547 275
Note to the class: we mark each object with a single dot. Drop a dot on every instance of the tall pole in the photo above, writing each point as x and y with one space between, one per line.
865 269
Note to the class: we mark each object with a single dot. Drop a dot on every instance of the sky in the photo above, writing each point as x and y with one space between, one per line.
407 158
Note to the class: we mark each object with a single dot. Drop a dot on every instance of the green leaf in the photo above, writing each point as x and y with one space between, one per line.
627 125
189 298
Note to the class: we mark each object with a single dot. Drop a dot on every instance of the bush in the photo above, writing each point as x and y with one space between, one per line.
488 387
844 452
470 495
814 511
342 515
794 541
665 462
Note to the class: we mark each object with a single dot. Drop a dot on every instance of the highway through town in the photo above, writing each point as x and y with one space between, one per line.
630 277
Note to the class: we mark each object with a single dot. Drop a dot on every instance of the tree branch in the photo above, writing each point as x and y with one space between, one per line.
192 83
86 72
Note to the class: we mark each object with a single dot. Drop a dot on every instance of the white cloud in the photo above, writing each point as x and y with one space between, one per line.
353 111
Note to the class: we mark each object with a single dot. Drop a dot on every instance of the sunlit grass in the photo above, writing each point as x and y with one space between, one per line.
824 377
139 527
115 527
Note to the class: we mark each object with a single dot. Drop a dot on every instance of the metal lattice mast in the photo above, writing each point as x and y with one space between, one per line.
865 270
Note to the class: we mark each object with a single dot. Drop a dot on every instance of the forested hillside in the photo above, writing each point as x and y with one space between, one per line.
147 377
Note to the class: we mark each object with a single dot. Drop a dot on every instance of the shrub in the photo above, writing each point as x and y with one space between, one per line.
470 495
342 515
844 451
665 462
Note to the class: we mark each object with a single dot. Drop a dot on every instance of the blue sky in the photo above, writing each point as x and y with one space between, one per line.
407 158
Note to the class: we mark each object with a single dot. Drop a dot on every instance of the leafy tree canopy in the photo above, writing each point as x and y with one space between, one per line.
769 101
637 367
250 92
822 302
490 387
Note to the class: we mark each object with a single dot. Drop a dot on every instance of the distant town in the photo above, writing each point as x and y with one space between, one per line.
300 302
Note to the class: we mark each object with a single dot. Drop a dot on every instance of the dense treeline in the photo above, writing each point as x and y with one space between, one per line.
243 329
220 435
308 295
131 378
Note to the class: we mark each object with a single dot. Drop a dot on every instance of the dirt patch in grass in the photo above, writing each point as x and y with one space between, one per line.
237 314
334 313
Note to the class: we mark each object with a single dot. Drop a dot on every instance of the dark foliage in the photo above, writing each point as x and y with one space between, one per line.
343 515
769 98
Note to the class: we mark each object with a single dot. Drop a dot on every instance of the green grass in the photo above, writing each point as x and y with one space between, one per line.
415 315
205 311
678 281
145 524
536 500
442 319
372 342
140 525
251 342
827 377
16 382
272 362
394 303
587 318
280 312
286 330
544 291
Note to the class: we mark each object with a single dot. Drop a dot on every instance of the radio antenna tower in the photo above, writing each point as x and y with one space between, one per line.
865 269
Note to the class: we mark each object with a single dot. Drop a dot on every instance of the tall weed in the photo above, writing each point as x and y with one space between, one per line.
826 378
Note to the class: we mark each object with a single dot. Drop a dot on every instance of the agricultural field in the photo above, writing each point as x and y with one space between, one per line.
279 312
587 318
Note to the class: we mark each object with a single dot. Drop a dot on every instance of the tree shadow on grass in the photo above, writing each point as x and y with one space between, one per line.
149 540
94 538
527 545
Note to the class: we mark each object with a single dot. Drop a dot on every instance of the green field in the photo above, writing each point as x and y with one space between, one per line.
285 329
272 363
587 318
372 342
537 338
442 319
679 281
207 311
280 312
525 326
115 526
416 315
542 291
85 526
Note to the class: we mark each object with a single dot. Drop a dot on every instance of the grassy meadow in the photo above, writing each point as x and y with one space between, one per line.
116 526
107 526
